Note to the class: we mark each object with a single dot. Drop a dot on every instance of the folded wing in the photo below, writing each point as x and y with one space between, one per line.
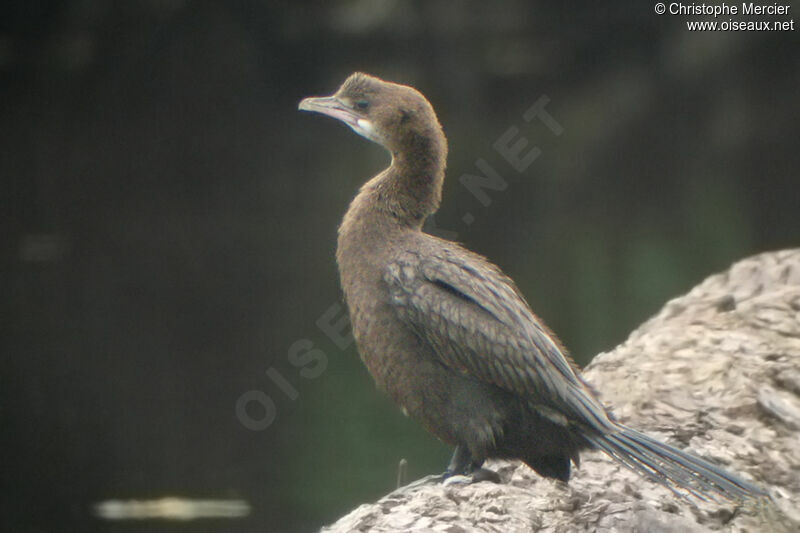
479 324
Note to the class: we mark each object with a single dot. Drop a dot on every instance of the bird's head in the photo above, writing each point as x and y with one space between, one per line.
389 114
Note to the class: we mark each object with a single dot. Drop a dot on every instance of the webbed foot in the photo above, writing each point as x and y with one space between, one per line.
463 469
476 476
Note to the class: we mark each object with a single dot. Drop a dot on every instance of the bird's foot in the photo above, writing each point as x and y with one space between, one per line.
467 478
463 468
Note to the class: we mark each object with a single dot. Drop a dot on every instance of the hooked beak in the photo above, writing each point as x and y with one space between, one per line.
333 107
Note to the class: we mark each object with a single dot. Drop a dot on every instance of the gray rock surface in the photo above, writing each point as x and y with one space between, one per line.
716 371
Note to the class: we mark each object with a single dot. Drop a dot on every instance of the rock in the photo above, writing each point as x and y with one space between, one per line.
716 371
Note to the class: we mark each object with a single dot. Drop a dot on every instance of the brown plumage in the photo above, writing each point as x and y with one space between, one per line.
450 337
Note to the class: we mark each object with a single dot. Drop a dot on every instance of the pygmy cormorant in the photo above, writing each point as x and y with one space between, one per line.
450 337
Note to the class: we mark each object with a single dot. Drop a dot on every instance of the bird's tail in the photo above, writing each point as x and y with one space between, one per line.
671 467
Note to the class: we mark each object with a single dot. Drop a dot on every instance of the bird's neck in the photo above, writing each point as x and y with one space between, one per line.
397 200
416 176
411 188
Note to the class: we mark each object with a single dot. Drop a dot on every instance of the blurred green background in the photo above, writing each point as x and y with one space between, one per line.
169 222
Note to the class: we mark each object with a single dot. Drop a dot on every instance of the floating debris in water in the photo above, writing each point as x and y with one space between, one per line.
170 509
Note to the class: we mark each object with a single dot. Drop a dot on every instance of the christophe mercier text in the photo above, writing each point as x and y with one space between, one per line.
748 8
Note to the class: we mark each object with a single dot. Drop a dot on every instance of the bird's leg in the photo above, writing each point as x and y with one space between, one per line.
463 464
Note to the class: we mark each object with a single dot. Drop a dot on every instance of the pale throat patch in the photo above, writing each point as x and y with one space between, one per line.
364 128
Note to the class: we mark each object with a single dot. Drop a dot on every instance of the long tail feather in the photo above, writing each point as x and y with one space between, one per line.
672 467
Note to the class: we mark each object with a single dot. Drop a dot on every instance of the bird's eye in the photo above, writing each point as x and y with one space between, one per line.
362 104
